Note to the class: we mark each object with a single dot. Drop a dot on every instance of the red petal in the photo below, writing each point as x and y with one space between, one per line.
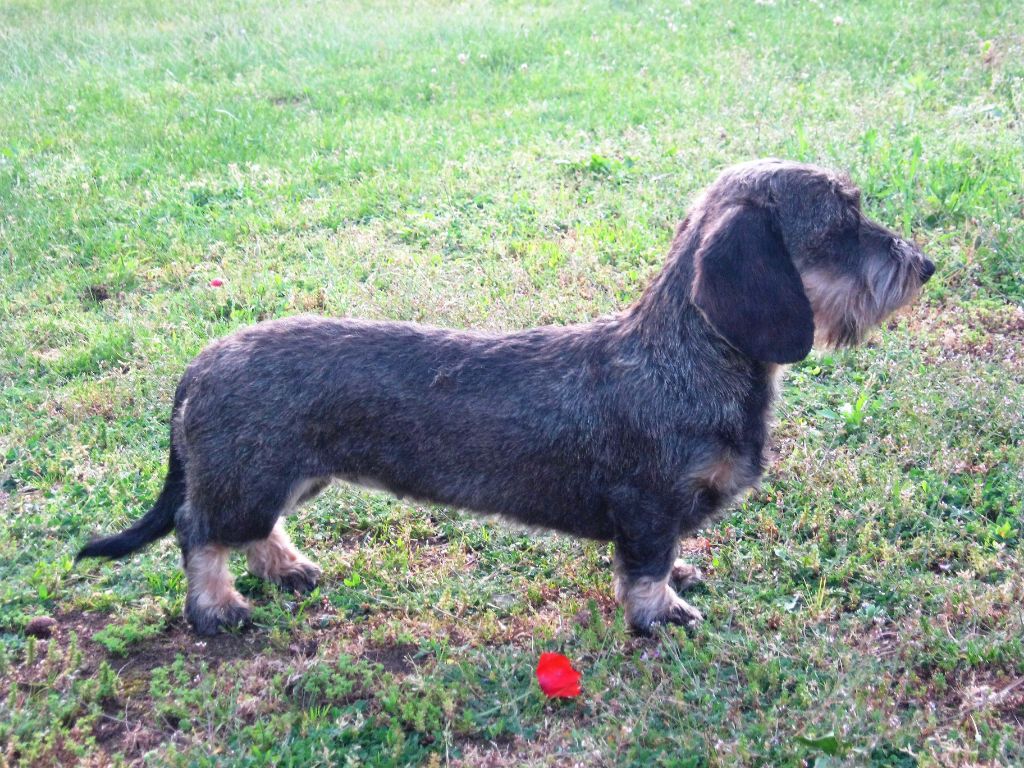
556 676
216 282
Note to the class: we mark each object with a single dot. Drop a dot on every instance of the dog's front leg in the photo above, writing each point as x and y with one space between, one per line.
645 563
649 600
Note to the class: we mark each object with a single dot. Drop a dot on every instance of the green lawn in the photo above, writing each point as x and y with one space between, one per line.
500 165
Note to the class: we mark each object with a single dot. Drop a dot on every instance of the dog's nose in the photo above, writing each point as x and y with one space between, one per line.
927 270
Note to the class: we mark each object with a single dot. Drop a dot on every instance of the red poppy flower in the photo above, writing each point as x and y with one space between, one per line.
556 676
216 282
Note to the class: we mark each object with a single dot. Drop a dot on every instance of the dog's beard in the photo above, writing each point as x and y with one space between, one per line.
847 308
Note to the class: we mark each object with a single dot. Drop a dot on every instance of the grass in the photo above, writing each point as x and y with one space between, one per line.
503 164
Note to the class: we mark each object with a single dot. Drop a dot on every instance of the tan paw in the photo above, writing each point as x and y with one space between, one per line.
211 618
684 614
684 575
302 576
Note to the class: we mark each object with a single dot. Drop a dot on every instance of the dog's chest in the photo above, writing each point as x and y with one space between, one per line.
727 473
732 462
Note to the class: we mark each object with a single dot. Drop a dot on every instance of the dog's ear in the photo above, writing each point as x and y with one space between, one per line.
748 289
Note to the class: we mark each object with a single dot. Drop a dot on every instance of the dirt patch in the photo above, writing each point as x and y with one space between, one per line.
52 667
96 293
1003 697
126 735
177 639
288 100
161 650
396 659
395 656
880 641
514 752
953 331
40 670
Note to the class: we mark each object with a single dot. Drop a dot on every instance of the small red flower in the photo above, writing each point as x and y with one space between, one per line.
556 676
216 282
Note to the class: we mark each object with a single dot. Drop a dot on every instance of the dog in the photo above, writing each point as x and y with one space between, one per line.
636 428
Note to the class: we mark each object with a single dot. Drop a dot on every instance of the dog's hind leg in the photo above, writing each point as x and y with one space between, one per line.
276 559
212 602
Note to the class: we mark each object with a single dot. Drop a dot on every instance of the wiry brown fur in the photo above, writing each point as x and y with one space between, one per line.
211 590
276 559
638 427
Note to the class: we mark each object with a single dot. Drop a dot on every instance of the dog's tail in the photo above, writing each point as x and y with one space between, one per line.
159 520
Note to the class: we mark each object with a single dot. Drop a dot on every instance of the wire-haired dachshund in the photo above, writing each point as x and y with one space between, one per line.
637 427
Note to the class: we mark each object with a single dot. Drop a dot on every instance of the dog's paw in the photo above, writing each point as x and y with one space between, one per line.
684 575
211 620
647 609
683 614
301 577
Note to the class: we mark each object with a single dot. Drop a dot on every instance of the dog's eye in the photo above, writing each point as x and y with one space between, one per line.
897 248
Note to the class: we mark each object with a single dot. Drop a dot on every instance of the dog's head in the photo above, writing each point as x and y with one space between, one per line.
786 258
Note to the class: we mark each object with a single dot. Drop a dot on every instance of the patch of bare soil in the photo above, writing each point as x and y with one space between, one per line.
159 651
84 625
127 727
517 753
179 639
127 734
1004 697
396 659
288 100
950 331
